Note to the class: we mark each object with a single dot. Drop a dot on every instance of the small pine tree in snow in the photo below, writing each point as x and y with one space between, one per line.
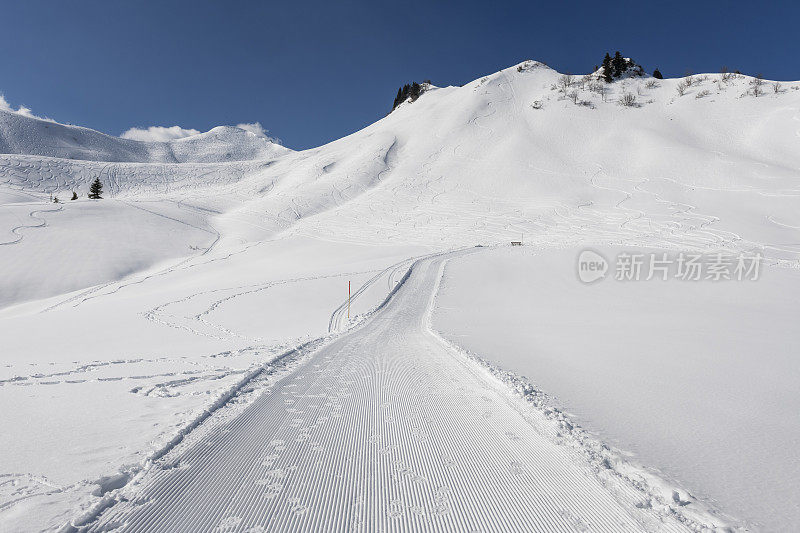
399 98
96 190
657 74
412 91
415 91
607 69
618 64
74 196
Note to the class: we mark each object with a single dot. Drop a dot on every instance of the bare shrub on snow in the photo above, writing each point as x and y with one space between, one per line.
703 94
600 88
776 87
573 95
627 100
537 104
681 88
565 82
757 85
651 84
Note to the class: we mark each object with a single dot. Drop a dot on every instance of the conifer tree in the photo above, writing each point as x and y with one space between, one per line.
96 190
407 91
398 98
607 68
402 95
415 91
657 74
618 64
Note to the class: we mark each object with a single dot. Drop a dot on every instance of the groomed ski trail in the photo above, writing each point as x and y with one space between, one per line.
383 429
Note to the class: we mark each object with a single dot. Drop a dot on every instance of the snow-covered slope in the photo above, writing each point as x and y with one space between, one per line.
190 261
104 242
510 154
22 134
696 379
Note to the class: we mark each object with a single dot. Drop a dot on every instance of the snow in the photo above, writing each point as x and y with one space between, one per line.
696 379
355 417
214 254
129 364
24 134
69 247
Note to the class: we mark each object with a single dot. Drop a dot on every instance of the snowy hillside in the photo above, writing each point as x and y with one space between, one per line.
515 153
156 316
22 134
510 154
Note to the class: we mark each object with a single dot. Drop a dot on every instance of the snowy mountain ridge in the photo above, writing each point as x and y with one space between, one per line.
534 151
28 135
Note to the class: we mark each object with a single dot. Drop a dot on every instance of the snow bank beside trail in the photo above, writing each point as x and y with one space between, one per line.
698 380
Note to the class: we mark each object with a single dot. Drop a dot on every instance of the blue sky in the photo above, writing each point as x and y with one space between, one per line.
312 72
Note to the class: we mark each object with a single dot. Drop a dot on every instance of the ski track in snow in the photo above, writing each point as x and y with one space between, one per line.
194 323
382 429
17 230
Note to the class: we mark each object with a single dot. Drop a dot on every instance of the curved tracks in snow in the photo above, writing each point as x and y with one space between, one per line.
34 215
392 274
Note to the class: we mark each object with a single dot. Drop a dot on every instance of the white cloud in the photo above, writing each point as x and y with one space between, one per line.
164 134
24 111
4 105
257 129
158 133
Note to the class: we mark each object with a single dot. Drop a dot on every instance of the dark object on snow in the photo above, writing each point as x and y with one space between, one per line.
657 74
96 190
618 64
407 91
74 196
607 72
